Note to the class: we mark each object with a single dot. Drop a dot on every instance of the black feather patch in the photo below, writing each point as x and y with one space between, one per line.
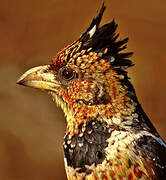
153 148
88 146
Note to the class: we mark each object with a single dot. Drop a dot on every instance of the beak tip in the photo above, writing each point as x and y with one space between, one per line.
20 81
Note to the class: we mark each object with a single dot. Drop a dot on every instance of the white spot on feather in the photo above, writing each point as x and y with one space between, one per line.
112 59
92 31
65 162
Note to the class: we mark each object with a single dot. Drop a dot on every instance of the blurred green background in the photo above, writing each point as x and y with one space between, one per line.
31 126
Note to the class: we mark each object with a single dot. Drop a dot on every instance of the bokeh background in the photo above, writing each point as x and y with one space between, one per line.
31 126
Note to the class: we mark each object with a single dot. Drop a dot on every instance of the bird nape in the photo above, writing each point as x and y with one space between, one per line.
108 135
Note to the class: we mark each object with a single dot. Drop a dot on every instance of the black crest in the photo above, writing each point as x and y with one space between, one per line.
100 38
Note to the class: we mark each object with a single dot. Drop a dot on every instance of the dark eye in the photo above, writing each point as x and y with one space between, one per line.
67 73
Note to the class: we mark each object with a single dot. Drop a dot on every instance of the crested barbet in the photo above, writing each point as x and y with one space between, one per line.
108 135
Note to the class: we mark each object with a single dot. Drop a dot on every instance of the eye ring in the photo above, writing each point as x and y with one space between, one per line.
67 73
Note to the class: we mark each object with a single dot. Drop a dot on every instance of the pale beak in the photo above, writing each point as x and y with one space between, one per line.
40 77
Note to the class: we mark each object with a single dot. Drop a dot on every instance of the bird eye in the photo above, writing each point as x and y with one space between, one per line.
67 74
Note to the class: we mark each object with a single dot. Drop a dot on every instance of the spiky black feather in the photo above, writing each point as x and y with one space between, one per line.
106 37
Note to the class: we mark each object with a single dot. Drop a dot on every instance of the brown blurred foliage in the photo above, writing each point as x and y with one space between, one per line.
31 126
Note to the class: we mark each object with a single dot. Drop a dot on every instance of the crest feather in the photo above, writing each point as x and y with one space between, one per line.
105 37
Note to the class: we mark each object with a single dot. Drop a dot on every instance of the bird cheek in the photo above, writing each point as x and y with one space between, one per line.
67 97
81 91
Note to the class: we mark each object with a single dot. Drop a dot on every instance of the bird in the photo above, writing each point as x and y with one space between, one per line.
108 135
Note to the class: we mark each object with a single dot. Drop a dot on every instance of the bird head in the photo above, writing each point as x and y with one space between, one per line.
87 78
